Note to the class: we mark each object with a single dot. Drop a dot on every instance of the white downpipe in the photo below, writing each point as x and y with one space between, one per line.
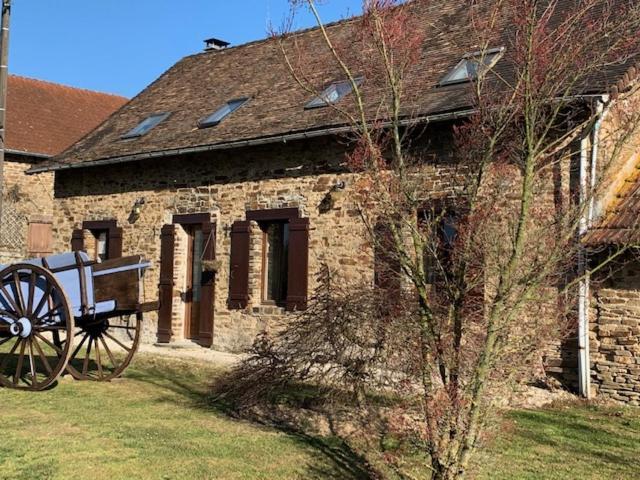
584 363
584 384
595 146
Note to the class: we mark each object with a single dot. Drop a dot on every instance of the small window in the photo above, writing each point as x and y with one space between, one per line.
146 125
216 117
333 93
444 230
275 263
472 66
101 244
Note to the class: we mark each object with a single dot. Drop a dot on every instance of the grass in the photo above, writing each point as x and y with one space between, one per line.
157 423
565 441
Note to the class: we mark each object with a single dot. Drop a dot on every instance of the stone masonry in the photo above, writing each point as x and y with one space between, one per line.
26 198
226 185
615 336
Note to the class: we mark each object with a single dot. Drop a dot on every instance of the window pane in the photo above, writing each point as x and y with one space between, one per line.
276 261
227 109
471 66
198 244
147 124
101 245
333 93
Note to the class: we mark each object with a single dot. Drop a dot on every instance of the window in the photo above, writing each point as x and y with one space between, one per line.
472 66
387 273
333 93
216 117
146 125
275 261
283 269
437 258
101 244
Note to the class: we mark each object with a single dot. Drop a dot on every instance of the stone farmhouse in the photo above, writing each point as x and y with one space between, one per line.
42 120
231 179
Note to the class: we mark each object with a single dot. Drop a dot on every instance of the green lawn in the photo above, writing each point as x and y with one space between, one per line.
153 424
565 442
156 423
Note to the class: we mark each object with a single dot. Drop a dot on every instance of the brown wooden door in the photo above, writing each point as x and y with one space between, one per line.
193 292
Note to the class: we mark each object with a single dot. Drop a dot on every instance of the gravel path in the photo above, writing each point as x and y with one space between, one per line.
191 351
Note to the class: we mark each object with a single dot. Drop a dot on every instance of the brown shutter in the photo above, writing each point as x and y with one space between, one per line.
239 274
387 270
40 237
298 277
115 243
207 292
77 240
165 295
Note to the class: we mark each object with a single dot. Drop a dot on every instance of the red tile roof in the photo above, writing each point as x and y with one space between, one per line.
620 223
46 118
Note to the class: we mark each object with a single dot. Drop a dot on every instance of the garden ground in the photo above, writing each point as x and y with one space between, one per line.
158 423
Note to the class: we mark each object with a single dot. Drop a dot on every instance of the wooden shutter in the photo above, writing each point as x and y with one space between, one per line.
387 270
207 290
239 274
115 243
40 237
77 240
165 294
298 275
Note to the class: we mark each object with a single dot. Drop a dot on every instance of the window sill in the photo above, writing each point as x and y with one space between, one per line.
269 309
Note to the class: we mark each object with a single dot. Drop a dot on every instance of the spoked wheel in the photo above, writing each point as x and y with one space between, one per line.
33 311
105 347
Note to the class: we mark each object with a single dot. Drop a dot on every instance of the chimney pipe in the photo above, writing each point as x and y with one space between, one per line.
215 44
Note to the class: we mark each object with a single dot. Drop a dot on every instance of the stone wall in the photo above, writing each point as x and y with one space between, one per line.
26 198
615 336
227 184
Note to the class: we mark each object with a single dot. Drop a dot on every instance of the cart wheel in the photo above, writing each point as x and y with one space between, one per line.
33 311
109 346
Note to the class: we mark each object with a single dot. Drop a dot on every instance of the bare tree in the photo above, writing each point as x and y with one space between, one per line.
473 283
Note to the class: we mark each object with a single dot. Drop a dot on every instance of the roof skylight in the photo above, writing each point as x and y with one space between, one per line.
223 112
147 124
473 65
333 93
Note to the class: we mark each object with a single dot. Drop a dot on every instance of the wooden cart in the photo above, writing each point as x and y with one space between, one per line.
67 312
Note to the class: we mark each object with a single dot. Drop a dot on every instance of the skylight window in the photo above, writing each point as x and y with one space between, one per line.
473 65
147 124
333 93
216 117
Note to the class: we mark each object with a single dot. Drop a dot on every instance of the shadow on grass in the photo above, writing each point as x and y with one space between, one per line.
609 440
193 387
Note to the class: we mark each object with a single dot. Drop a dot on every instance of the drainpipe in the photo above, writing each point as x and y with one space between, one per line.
583 286
584 364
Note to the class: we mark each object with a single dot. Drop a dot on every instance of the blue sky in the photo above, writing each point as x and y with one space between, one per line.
120 46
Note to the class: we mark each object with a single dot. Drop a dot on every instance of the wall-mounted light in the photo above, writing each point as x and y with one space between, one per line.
136 210
333 195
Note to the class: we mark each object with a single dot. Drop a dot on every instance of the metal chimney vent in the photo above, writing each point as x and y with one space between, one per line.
215 44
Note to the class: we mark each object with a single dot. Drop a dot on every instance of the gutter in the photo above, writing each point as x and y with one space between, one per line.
245 143
27 154
586 221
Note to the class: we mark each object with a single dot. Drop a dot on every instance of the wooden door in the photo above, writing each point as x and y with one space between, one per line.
193 292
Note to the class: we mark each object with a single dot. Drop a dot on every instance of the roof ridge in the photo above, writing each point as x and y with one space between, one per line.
301 31
68 87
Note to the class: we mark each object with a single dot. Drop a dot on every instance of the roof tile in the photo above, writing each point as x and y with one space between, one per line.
45 118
